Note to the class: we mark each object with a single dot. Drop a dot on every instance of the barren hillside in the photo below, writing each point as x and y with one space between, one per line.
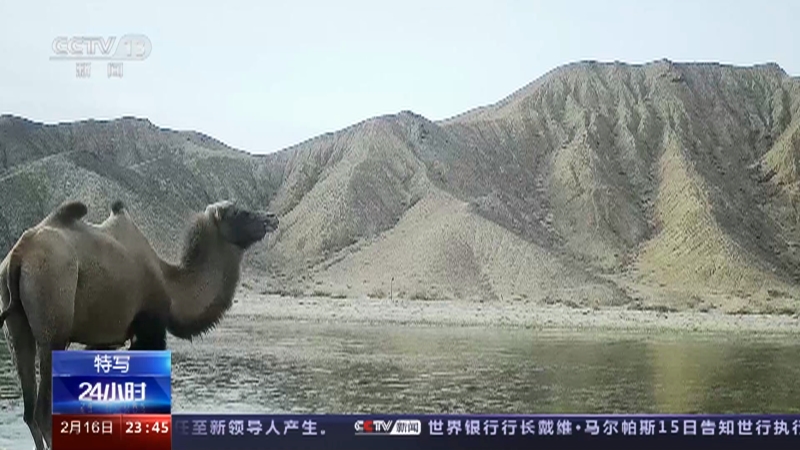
662 185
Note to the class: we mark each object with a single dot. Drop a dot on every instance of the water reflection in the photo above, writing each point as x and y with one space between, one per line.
326 368
252 365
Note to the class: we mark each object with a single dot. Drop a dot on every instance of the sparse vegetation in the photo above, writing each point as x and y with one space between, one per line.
377 293
421 295
639 306
295 292
774 293
744 311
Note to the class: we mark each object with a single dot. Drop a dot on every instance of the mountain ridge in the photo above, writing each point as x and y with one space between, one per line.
662 185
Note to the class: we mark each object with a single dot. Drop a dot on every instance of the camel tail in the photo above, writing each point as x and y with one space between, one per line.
14 273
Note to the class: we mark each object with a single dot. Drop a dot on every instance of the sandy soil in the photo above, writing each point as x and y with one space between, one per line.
503 313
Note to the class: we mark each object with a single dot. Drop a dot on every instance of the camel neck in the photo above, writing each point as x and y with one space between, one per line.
202 286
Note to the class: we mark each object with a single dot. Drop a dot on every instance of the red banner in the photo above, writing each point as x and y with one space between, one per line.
112 431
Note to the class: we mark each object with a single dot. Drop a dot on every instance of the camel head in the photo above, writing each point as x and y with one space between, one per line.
239 226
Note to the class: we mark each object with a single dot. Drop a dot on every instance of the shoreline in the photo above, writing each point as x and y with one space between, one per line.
509 313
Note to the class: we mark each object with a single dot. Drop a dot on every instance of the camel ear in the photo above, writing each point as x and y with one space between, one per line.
213 212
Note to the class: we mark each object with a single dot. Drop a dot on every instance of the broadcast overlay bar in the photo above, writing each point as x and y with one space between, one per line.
123 400
251 432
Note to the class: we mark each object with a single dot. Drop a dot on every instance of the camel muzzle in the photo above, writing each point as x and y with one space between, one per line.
270 220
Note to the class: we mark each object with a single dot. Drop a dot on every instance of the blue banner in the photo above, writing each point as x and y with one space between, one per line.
245 432
114 395
112 363
91 382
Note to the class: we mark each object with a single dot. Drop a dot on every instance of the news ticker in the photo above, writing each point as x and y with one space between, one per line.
274 431
122 400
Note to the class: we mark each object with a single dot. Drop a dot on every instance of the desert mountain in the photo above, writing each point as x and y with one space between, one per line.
659 185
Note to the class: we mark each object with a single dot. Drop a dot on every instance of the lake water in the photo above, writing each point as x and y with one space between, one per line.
268 366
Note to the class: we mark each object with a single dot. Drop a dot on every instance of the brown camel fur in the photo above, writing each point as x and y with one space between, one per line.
69 281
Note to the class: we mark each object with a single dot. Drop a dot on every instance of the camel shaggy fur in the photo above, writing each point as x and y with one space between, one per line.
70 281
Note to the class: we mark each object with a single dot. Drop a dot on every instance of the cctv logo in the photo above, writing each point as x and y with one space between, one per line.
130 47
373 426
401 427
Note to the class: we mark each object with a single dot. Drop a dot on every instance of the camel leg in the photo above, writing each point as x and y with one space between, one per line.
47 284
149 332
22 347
104 348
44 402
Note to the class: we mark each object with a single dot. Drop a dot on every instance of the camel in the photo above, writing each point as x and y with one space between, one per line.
70 281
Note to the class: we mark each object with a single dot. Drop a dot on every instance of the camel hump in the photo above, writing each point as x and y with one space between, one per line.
70 212
117 207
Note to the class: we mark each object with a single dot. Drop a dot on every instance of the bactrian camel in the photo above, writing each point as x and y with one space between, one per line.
70 281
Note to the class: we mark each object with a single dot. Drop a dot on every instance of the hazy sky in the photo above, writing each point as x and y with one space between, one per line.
262 76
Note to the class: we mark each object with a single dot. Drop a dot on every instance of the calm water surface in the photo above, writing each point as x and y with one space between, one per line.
267 366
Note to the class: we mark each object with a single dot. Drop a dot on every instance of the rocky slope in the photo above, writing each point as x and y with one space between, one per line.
662 185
